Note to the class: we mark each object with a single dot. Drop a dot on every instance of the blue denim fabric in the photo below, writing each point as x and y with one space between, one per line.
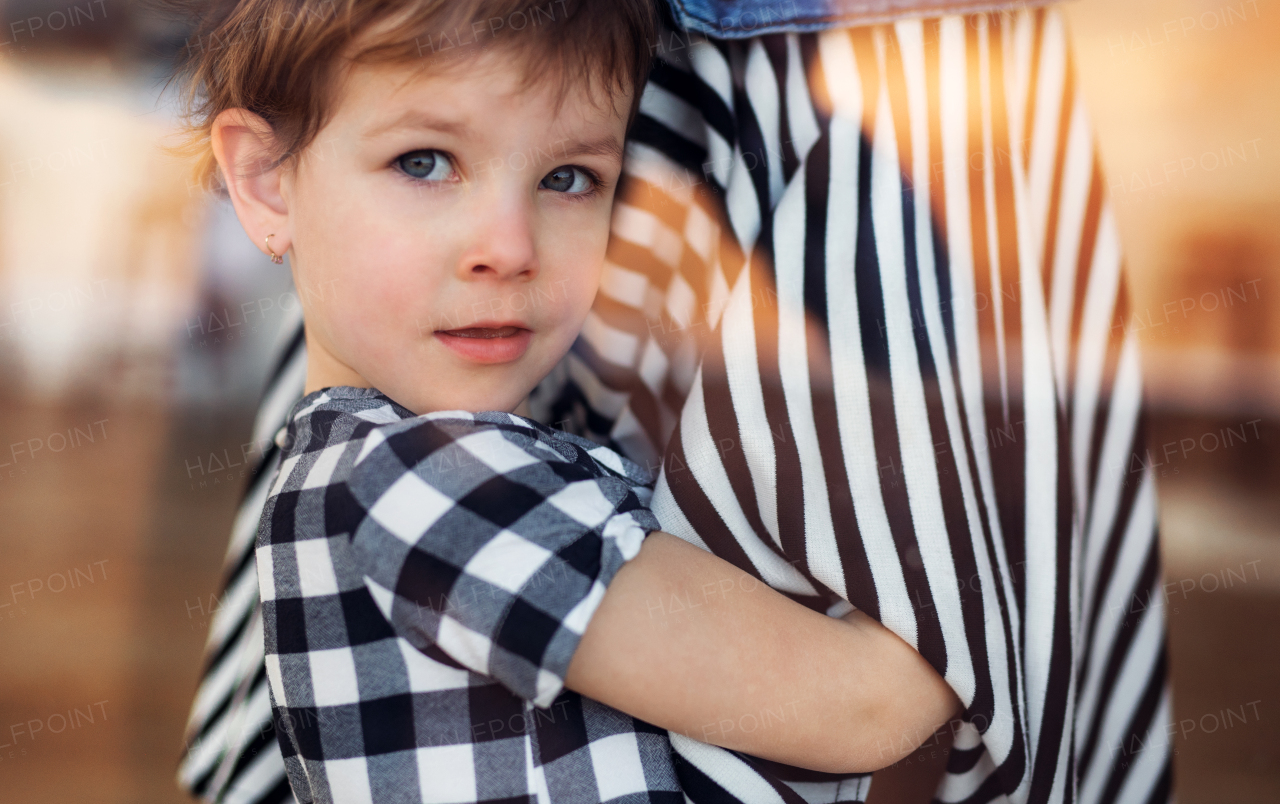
738 19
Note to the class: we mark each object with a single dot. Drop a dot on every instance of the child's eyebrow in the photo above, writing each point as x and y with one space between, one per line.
419 119
604 146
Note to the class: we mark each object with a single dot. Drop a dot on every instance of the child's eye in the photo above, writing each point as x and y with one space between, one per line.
425 164
569 179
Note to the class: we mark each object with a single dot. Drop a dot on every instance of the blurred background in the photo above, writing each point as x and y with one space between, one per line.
136 319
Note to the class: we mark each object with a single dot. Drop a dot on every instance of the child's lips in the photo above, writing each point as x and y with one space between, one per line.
485 343
484 332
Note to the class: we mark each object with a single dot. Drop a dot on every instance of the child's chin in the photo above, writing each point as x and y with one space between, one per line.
506 397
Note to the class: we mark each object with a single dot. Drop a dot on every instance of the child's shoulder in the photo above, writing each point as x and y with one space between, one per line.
344 418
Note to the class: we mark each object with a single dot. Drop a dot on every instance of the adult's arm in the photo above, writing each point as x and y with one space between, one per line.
691 643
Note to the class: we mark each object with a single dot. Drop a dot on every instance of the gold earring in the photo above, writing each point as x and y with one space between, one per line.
276 258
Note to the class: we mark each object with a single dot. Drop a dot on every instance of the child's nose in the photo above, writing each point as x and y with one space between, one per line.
502 244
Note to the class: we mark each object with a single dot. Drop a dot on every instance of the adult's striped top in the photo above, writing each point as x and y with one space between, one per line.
864 298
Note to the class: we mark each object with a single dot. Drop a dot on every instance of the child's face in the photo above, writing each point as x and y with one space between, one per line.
448 231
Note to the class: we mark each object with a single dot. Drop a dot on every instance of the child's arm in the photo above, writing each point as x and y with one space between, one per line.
483 551
753 670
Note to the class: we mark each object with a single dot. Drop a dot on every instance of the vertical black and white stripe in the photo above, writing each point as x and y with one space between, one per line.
232 755
895 375
863 303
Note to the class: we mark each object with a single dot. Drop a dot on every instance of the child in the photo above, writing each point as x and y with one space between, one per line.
458 601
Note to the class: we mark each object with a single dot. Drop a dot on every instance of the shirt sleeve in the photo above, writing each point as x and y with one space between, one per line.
492 541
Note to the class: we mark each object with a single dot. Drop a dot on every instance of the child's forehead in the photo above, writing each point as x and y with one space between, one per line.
445 94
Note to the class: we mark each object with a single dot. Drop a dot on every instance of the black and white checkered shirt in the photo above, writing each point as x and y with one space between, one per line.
425 581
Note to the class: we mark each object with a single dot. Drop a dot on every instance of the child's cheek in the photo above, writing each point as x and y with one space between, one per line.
391 306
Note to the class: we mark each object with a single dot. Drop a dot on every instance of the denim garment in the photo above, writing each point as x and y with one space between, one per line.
738 19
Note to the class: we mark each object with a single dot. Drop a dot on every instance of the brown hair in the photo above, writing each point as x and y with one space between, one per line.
277 58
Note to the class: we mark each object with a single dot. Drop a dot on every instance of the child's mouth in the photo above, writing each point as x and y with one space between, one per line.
487 343
483 332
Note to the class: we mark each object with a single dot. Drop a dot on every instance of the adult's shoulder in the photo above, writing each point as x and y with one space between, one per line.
744 19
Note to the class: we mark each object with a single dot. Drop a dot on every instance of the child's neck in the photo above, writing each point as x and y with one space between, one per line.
325 371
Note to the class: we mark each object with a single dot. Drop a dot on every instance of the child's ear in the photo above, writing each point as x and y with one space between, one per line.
243 145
